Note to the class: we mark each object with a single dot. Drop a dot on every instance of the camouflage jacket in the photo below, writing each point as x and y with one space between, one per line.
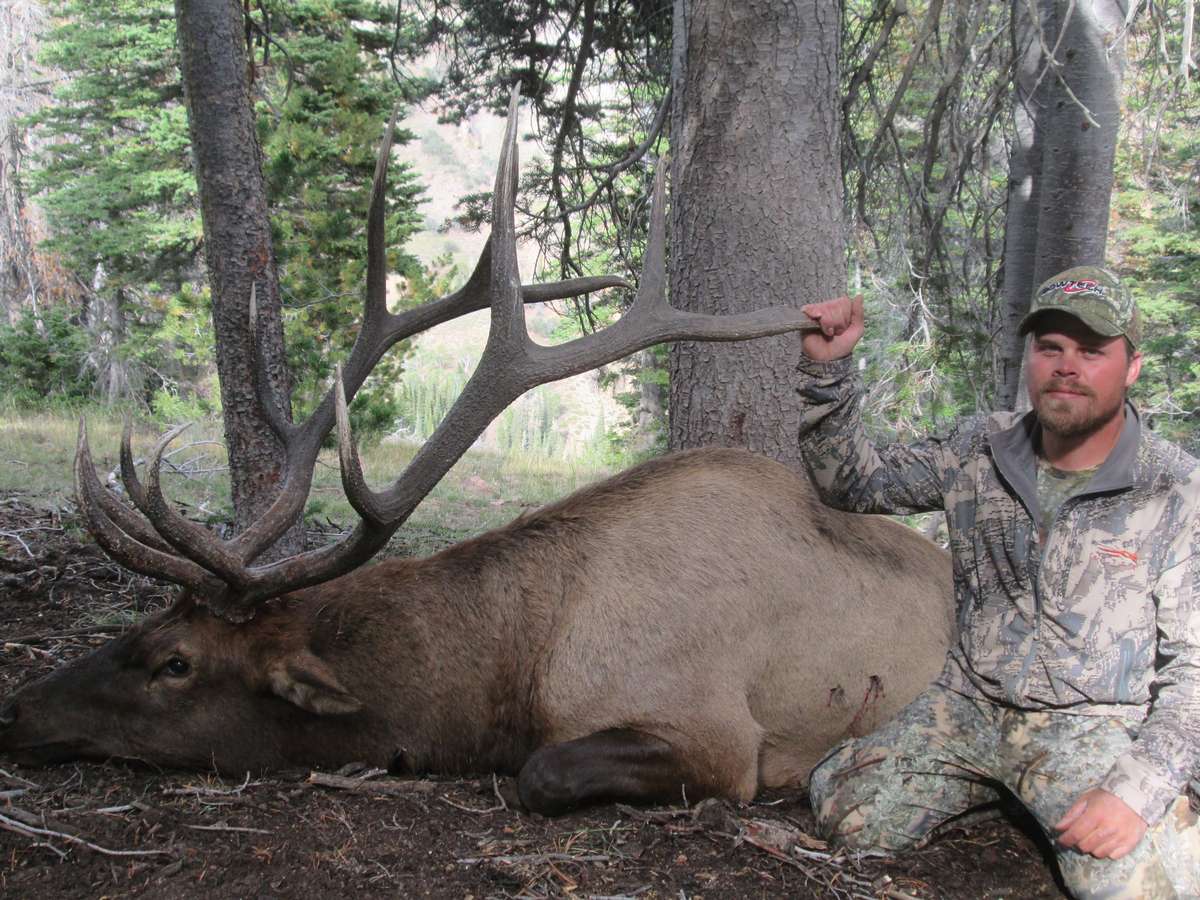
1100 616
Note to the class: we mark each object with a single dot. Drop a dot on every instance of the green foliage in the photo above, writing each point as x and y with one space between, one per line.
926 102
43 358
326 96
171 407
424 402
116 181
1155 239
114 172
600 135
529 425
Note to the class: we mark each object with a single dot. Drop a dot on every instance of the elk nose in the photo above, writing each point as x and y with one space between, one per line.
8 713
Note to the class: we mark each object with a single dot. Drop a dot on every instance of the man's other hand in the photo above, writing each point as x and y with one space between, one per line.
1102 825
841 321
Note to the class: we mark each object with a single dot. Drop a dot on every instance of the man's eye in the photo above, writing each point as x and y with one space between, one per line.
177 666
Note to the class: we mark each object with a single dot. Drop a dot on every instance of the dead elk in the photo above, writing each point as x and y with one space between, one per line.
700 624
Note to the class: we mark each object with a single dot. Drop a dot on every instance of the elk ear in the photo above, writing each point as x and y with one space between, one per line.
304 680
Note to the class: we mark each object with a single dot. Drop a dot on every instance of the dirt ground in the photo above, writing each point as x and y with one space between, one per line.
114 831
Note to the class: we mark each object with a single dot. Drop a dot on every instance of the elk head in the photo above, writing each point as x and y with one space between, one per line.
189 689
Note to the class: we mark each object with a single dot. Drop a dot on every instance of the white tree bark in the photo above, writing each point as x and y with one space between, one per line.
1071 56
23 88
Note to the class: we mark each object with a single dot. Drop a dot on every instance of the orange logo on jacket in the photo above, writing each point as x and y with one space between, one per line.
1122 558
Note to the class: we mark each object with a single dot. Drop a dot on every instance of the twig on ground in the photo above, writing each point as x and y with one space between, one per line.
211 792
221 826
536 859
390 786
654 815
16 537
32 831
17 779
473 809
34 651
496 791
24 816
97 630
118 810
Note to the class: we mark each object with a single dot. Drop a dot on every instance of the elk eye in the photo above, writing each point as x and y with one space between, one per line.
177 666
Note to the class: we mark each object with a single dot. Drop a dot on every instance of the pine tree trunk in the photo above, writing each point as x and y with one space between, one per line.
237 244
756 211
1067 116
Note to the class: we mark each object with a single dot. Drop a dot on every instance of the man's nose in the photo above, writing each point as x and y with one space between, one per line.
1066 364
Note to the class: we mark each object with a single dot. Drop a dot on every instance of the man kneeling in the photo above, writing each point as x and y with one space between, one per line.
1074 682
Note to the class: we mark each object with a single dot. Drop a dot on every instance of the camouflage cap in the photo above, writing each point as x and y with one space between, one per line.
1093 295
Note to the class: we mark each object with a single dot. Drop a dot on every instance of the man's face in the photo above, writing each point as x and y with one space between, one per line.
1077 379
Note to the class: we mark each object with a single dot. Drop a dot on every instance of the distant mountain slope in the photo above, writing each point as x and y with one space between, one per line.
452 161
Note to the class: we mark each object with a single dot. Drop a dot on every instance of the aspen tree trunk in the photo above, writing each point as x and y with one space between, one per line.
1067 115
23 89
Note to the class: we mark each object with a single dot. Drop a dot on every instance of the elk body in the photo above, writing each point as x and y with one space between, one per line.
700 623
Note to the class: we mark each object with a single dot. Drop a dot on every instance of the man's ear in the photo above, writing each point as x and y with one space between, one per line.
303 679
1134 369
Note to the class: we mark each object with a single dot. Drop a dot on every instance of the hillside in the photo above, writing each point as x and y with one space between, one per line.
454 160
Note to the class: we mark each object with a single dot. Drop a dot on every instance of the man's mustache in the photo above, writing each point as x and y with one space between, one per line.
1069 387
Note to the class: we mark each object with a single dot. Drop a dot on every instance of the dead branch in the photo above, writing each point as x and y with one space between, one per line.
394 787
91 631
211 792
221 826
17 779
11 535
474 810
32 831
535 859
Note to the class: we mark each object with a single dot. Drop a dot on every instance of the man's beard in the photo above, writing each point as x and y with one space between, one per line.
1073 418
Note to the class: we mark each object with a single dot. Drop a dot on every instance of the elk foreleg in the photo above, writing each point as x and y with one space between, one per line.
616 764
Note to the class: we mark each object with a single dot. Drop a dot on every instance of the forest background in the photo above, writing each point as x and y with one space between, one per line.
104 298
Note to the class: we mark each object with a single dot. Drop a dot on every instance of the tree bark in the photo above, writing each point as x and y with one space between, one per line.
1067 116
237 245
22 281
756 214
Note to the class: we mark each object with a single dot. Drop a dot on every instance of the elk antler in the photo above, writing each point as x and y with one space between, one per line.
222 573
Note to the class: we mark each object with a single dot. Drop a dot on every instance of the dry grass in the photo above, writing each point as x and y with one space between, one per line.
481 491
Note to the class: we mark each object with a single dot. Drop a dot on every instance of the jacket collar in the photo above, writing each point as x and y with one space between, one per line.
1014 452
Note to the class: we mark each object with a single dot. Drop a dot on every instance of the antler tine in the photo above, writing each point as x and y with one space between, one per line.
508 316
651 320
129 476
194 541
354 484
268 402
96 504
377 268
121 515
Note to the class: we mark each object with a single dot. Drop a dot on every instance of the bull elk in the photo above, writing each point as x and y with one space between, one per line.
698 624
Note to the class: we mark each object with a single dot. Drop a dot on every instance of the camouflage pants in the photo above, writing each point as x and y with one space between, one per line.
945 755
